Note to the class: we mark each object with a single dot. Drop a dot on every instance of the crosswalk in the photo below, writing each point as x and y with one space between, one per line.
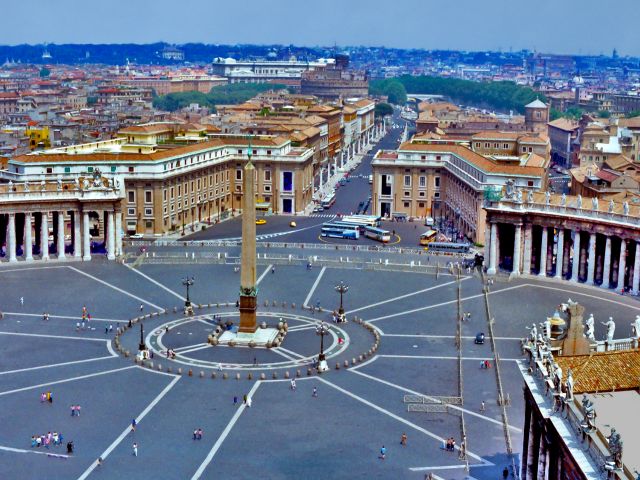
322 215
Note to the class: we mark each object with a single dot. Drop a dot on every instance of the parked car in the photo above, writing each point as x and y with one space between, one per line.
479 338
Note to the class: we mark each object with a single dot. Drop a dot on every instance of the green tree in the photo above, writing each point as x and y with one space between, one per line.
603 114
383 109
392 88
634 113
44 72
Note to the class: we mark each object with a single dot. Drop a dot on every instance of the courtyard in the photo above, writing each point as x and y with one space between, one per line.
284 433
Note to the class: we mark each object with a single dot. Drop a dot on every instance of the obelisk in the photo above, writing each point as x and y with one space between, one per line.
248 289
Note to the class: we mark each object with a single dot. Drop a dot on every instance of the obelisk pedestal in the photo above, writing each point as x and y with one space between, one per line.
248 289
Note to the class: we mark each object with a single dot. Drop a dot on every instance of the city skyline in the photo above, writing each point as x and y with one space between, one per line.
407 24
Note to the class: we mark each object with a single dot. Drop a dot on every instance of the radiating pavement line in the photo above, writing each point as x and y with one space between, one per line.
413 392
223 436
72 379
155 282
313 287
396 417
118 289
42 367
22 450
66 317
404 296
264 274
64 337
126 431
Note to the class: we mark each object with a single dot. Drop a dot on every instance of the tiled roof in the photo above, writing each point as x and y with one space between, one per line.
603 372
564 124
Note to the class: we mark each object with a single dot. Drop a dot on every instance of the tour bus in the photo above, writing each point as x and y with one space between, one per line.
378 234
363 220
428 237
344 226
328 201
337 231
448 247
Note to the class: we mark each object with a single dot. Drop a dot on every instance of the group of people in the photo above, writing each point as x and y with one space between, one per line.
75 410
171 354
450 444
108 329
466 316
197 434
46 397
45 316
45 440
485 364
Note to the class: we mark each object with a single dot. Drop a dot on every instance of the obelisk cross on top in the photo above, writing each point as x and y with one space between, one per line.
248 289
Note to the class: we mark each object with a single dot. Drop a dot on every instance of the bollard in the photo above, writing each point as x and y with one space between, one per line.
150 365
353 361
201 374
308 372
337 365
237 376
346 363
169 369
298 374
250 376
293 305
213 375
225 376
159 366
179 371
275 304
274 375
190 373
286 374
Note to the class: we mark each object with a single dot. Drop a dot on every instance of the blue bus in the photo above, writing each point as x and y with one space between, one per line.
448 247
378 234
339 232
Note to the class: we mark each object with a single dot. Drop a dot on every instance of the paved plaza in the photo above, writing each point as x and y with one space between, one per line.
284 433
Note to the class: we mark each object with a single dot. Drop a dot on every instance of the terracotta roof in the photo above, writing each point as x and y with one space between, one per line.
564 124
491 135
364 102
8 95
149 129
633 122
480 161
617 162
607 175
603 372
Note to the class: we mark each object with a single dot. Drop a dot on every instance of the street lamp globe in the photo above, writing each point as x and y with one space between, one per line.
341 288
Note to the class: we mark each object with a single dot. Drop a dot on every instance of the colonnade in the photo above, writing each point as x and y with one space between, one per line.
575 254
27 232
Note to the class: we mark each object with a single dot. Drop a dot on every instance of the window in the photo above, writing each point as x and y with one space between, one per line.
148 196
131 212
423 181
238 174
407 193
421 194
164 195
505 146
407 180
114 168
268 152
287 181
90 169
67 169
267 188
407 204
239 151
131 169
529 183
148 212
423 157
132 196
436 195
267 175
172 191
421 205
436 182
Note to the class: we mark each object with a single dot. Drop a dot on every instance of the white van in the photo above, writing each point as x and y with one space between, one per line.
370 179
429 222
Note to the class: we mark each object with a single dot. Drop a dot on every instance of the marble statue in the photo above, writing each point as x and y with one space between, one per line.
615 447
530 196
568 385
533 332
557 378
589 331
59 184
635 327
547 197
510 188
546 327
579 201
625 208
594 203
76 183
611 328
97 178
26 186
43 186
611 206
10 186
519 196
563 200
589 413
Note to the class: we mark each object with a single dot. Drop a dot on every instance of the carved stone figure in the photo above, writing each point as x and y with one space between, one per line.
625 208
579 201
43 186
611 206
76 183
589 330
546 327
615 447
59 184
611 328
10 186
97 178
533 332
510 189
26 186
530 196
568 385
589 413
547 197
635 327
519 196
594 203
563 200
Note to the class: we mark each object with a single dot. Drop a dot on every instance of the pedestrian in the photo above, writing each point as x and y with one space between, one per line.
49 397
199 436
99 461
135 449
255 361
482 406
315 392
403 439
43 397
235 400
110 327
106 330
70 447
73 410
244 399
383 453
505 473
248 402
21 301
293 384
273 269
141 308
195 434
133 425
482 364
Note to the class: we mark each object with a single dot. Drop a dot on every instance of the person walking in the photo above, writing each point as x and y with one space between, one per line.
315 392
273 269
244 399
293 384
248 402
141 308
235 400
195 434
505 473
135 449
403 439
22 301
383 453
482 406
133 425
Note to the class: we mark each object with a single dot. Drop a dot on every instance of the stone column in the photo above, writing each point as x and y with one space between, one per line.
111 241
622 264
526 260
560 254
118 233
591 263
606 269
544 247
576 257
60 246
44 236
86 237
77 238
493 260
11 239
636 269
517 246
566 255
28 241
248 290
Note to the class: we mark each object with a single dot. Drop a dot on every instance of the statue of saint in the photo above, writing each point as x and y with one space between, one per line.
589 331
563 200
568 385
579 201
635 327
594 203
611 206
625 208
611 328
547 197
530 196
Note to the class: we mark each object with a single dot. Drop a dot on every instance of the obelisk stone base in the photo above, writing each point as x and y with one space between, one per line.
248 321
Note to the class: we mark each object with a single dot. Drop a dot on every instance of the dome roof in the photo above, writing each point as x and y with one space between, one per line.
536 104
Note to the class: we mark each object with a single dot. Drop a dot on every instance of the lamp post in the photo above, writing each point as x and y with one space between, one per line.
142 346
341 288
187 282
322 330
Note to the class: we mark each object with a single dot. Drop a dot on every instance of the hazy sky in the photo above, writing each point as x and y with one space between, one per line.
562 26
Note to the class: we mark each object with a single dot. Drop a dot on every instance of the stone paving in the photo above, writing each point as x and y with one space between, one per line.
284 434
